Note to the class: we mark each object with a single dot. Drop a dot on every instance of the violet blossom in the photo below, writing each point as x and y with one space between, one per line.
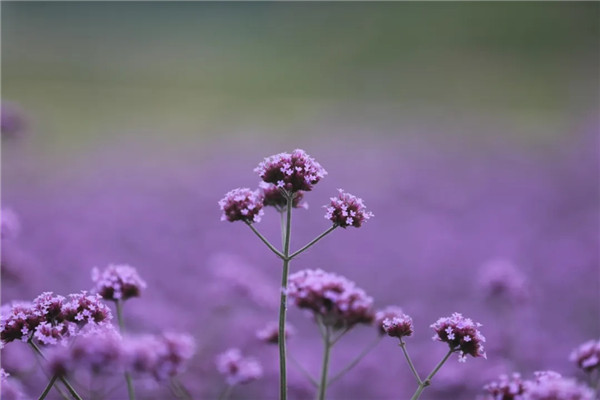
273 197
238 369
347 210
292 172
241 204
118 282
461 334
270 333
587 355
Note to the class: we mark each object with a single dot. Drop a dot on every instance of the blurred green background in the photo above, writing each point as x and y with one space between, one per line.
88 73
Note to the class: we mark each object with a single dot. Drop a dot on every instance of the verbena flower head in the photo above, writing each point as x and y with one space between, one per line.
554 387
238 369
398 326
347 210
501 279
161 356
273 197
97 349
118 282
587 356
270 333
17 321
241 204
83 308
292 172
9 224
461 334
335 300
506 388
388 312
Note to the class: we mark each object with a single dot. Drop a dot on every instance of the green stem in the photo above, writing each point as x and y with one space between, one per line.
427 380
356 360
61 378
48 388
130 388
265 241
325 366
312 242
283 303
410 363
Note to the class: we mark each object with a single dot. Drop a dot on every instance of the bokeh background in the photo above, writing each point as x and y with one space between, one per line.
469 129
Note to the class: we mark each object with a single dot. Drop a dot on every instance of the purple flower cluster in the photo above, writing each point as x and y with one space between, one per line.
242 204
50 318
104 351
118 282
293 172
272 196
333 299
270 333
347 210
238 369
461 334
382 315
546 385
587 355
398 326
501 279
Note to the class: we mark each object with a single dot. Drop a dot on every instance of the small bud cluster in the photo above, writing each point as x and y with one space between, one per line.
270 333
382 315
334 299
546 385
238 369
461 334
398 326
118 282
50 318
292 172
587 356
242 204
347 210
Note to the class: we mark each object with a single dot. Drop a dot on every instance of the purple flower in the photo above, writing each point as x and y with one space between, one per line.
555 387
118 282
332 298
238 369
273 197
503 280
241 204
505 388
9 224
587 355
292 172
270 333
388 312
97 349
83 309
347 210
161 356
398 326
47 334
461 334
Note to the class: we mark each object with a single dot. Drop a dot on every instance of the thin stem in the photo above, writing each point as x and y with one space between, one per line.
130 388
354 362
226 392
340 335
181 388
325 366
283 303
304 371
409 361
62 378
427 380
312 242
48 388
265 241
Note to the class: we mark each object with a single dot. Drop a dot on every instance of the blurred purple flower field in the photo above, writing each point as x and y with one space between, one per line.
442 217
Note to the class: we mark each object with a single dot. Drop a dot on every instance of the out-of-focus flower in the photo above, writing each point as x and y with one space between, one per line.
292 172
161 356
501 279
17 321
118 282
9 224
97 349
270 333
347 210
505 388
241 204
587 355
12 120
238 369
273 197
337 301
461 334
83 308
553 387
388 312
46 333
398 326
10 389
